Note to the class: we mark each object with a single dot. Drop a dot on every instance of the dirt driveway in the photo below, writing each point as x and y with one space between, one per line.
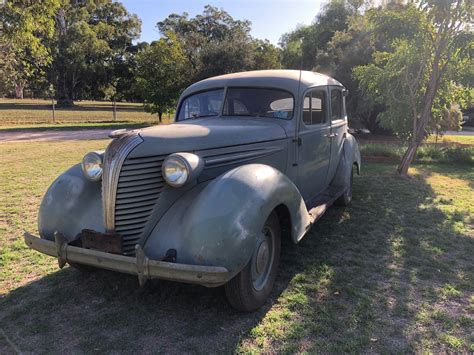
51 135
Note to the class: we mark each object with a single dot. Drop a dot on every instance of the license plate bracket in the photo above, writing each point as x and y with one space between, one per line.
106 242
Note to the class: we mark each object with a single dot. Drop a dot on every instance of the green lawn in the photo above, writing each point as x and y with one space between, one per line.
451 139
391 273
29 113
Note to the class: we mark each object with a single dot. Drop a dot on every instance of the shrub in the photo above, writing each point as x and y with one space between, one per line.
459 155
426 152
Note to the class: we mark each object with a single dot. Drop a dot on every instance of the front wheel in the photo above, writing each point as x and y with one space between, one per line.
250 289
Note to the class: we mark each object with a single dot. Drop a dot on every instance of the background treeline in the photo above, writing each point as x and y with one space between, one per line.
385 55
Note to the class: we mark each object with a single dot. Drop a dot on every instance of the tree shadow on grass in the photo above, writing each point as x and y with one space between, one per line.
357 282
373 277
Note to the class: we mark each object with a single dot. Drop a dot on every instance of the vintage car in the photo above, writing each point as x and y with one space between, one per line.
251 158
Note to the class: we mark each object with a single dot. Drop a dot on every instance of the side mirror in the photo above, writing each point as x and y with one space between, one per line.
345 92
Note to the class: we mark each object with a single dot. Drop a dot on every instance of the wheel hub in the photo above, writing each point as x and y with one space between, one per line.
263 254
262 259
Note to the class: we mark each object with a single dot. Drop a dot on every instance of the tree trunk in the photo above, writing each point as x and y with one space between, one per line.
19 88
62 94
114 110
160 116
430 94
63 98
54 110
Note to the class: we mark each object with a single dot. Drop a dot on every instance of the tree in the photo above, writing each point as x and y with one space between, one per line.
214 43
302 46
415 76
92 40
162 74
27 26
266 55
347 49
336 42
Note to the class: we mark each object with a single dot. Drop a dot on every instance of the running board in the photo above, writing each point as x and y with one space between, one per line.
322 202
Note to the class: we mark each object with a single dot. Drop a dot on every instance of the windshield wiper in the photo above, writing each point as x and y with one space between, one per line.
243 115
201 116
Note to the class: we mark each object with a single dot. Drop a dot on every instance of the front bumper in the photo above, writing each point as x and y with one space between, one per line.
141 265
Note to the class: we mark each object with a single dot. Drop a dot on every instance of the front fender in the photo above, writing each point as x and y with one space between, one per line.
216 224
71 204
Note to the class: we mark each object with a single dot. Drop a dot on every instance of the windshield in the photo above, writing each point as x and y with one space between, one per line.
254 102
203 104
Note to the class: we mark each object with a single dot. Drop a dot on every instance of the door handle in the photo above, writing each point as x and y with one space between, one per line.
298 140
331 135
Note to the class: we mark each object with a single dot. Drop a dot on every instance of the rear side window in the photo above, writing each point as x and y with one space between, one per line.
336 105
314 108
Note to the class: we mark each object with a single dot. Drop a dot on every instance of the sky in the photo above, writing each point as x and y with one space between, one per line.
270 18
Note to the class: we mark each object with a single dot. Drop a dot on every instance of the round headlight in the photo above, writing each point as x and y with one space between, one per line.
92 166
175 170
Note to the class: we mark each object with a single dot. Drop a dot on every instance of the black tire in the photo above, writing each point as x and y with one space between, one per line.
250 289
346 198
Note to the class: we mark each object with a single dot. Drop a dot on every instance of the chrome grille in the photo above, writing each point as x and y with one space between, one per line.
139 186
114 157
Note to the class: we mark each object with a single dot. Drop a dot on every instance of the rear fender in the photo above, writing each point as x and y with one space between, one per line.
216 223
350 156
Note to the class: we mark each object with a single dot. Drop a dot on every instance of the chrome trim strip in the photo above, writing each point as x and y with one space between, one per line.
235 157
114 157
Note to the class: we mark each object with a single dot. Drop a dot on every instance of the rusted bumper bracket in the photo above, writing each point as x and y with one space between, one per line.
141 265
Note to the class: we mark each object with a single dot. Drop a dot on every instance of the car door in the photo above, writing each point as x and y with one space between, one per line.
338 128
313 144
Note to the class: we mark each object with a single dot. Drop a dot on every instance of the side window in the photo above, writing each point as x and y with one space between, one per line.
336 105
314 107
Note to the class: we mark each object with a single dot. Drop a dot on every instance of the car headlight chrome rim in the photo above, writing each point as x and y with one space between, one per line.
92 166
176 170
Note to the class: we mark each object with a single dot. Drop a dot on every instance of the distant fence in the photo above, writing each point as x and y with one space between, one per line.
37 111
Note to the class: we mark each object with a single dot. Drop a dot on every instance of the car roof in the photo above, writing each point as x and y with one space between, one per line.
283 79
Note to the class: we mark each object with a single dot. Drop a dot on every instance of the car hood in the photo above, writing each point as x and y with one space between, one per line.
201 134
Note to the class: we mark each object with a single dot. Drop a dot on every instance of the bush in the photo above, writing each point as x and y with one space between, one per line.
425 153
382 150
459 154
429 152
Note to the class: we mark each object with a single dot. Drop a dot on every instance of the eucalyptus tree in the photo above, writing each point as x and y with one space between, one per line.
215 43
302 46
27 26
418 71
92 39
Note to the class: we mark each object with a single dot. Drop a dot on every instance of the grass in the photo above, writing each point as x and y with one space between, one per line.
36 113
451 139
391 273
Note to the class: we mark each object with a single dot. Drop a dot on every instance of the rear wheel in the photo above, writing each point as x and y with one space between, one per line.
346 198
250 289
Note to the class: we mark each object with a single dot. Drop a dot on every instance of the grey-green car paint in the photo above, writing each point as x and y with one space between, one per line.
250 167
